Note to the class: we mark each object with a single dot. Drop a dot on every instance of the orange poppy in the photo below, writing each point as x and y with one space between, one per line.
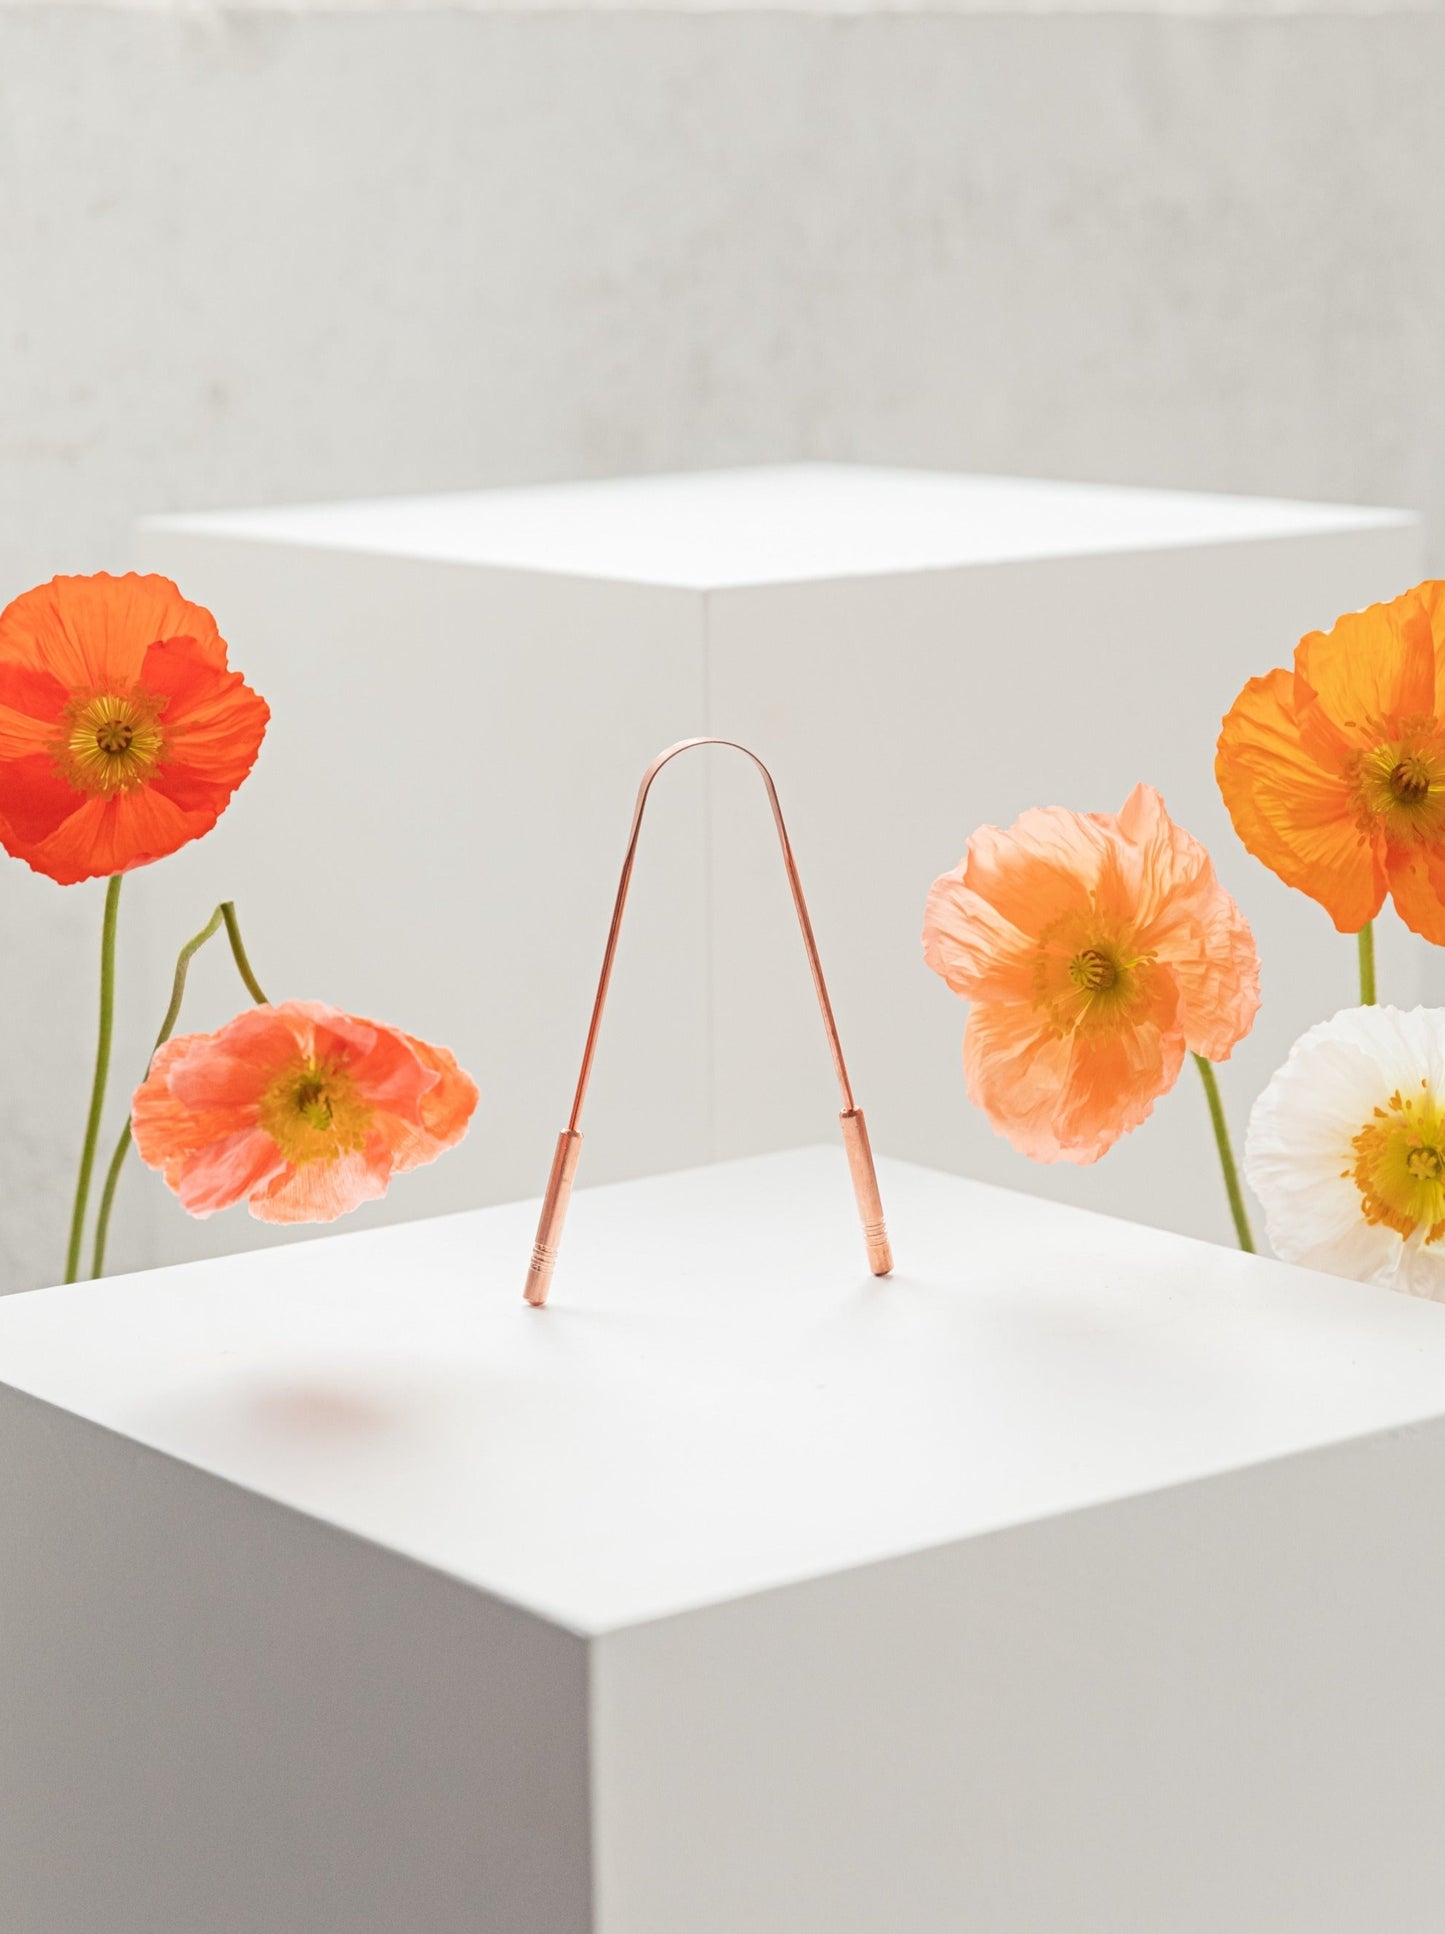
122 732
302 1109
1334 773
1095 948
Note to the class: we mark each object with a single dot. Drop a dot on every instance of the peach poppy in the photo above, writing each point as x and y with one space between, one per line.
1095 949
122 732
1334 773
304 1110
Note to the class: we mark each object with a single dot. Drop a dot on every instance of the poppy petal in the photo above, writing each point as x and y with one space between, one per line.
1188 923
38 696
92 633
76 643
1016 1065
446 1108
34 802
1375 665
1292 813
224 1171
213 721
322 1191
304 1109
971 946
386 1067
1415 886
1114 1078
104 836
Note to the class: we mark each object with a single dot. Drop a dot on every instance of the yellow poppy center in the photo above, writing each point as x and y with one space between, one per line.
314 1112
111 742
1400 785
1094 971
1400 1165
1089 976
1410 780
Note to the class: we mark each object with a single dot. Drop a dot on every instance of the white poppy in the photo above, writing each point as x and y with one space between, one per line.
1346 1149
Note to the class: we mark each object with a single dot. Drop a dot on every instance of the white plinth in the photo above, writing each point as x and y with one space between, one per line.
467 688
1080 1577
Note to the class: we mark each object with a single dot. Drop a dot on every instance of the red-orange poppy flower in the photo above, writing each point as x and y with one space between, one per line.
122 732
304 1110
1096 948
1334 773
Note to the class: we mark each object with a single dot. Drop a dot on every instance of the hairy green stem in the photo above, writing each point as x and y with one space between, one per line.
225 914
98 1079
1367 964
1226 1153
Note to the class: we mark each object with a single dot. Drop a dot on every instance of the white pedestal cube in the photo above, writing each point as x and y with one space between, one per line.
1079 1577
467 688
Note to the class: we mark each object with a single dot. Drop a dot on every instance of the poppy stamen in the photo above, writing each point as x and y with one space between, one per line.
1399 1167
112 742
1093 971
1410 780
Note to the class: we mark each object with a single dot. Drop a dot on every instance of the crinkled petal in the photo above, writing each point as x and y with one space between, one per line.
1070 1098
1115 1078
1016 1066
225 1171
231 1069
1299 1155
199 1114
446 1110
213 722
1417 887
109 835
382 1062
1190 924
1292 812
92 633
1373 665
1043 866
322 1191
971 946
74 637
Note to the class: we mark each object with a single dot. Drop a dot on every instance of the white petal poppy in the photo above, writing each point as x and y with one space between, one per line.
1346 1149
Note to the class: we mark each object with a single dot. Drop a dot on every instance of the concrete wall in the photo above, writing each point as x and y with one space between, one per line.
249 255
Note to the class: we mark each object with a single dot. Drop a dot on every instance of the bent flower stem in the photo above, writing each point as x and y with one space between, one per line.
225 914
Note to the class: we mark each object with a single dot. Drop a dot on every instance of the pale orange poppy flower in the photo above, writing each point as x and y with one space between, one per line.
303 1110
1095 949
123 733
1334 773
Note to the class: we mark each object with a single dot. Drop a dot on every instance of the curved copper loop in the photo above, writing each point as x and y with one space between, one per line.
569 1143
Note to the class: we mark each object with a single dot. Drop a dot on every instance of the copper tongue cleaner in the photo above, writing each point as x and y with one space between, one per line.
569 1142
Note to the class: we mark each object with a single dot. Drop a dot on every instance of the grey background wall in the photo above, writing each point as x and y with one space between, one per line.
250 255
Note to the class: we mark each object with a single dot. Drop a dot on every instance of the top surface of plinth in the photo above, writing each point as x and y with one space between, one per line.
719 1399
729 528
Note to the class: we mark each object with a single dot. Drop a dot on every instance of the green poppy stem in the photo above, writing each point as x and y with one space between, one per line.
1367 964
1226 1153
98 1079
225 914
227 911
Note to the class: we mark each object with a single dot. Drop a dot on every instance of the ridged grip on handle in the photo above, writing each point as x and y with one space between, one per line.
553 1216
865 1189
